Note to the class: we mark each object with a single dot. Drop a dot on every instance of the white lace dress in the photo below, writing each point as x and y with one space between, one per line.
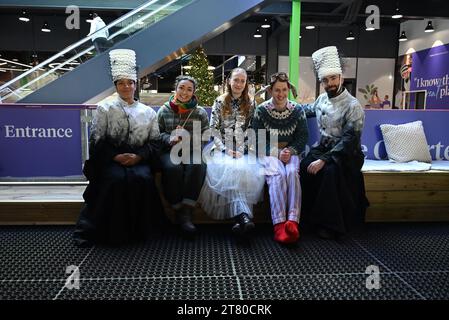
232 185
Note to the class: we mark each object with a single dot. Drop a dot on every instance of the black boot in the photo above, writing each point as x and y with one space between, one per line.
243 224
184 219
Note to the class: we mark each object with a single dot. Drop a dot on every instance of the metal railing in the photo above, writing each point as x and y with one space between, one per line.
128 24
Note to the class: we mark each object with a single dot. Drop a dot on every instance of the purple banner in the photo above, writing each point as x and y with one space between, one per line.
430 72
435 123
40 140
46 142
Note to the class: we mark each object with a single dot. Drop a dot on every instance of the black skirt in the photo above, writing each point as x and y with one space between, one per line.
335 197
122 205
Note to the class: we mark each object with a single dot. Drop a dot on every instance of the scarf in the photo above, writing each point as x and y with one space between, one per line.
182 107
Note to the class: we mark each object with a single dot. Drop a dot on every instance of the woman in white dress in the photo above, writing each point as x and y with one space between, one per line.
234 181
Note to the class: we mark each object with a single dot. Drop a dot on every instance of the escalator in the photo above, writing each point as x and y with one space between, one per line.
159 31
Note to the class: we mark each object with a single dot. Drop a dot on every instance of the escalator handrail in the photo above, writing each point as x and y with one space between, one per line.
59 67
77 44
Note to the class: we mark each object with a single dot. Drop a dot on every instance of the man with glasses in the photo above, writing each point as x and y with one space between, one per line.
334 198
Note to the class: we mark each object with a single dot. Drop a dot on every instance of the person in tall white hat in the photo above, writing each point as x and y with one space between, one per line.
334 200
122 204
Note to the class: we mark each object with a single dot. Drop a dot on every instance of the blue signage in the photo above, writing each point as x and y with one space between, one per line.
40 140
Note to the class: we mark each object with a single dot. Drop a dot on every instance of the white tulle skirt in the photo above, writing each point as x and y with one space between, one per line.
232 186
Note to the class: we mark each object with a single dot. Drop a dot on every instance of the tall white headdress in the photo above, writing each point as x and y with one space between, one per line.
123 64
326 62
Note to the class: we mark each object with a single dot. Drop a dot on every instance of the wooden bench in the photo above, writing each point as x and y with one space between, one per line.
393 196
408 196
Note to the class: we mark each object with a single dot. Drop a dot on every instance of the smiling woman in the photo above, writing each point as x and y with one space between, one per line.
233 182
181 182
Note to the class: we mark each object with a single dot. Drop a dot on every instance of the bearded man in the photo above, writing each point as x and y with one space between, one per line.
333 188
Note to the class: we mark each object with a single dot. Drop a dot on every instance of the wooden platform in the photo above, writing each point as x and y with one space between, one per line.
40 203
393 196
408 196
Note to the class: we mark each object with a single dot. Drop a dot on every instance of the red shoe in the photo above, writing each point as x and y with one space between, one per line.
292 231
279 233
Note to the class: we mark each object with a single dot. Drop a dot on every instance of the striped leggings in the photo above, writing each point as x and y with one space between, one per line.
284 188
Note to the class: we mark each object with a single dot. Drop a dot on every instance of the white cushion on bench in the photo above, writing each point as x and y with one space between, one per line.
442 165
387 165
406 142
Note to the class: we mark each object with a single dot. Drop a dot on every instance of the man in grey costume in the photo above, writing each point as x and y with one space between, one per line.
334 200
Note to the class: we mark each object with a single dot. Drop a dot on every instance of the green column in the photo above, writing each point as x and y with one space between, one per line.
295 28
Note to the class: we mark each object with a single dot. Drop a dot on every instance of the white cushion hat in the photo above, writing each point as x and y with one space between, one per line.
326 62
123 64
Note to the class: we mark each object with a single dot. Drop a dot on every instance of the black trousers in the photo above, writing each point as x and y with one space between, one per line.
101 44
181 183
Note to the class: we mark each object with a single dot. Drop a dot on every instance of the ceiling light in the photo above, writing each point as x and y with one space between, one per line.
90 17
45 27
24 16
429 27
350 36
257 34
265 24
370 29
403 37
397 14
310 27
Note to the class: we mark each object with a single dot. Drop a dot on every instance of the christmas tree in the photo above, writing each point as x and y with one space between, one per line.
199 70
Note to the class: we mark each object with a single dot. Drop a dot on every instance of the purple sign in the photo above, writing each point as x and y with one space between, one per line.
40 141
430 72
434 123
45 141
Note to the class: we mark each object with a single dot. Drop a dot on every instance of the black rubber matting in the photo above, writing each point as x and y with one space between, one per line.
412 258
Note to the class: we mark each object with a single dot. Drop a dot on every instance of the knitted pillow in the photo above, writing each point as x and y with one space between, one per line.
406 142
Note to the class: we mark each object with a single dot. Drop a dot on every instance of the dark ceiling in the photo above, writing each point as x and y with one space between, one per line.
317 12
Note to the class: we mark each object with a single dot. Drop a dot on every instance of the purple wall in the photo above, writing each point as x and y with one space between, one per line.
435 123
39 156
430 71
